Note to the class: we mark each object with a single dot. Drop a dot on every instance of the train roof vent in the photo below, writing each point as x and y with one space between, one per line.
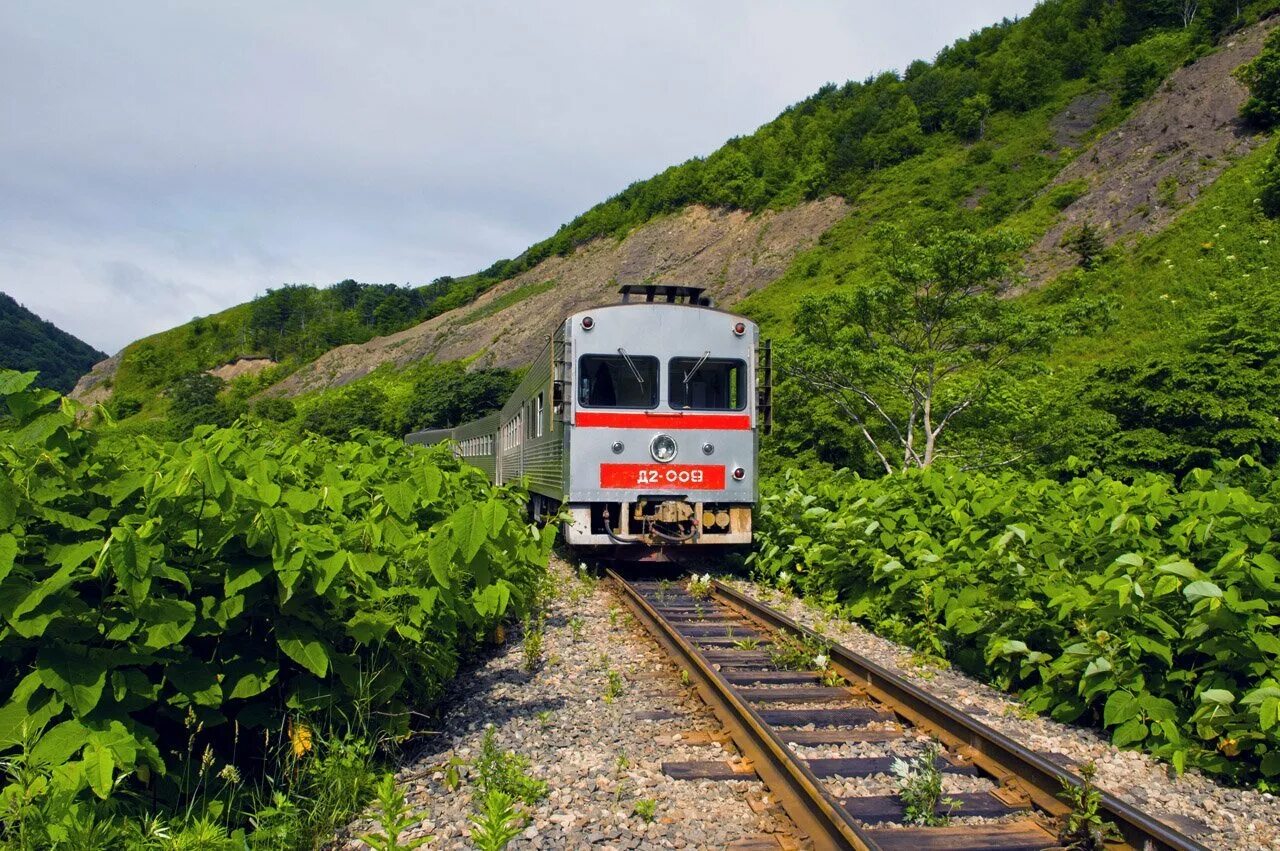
669 293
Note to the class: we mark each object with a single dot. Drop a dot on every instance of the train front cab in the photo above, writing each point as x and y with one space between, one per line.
661 433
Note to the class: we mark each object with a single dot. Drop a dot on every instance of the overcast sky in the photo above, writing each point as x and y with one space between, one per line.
164 160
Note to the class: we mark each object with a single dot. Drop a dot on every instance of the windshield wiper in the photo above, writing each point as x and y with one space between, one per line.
688 376
631 364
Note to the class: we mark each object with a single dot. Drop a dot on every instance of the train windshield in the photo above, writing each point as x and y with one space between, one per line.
623 380
707 384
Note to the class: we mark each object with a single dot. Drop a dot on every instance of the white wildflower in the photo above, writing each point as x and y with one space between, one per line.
820 661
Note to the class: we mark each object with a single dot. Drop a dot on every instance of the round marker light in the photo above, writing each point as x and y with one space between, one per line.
739 474
617 447
707 449
663 448
588 323
740 329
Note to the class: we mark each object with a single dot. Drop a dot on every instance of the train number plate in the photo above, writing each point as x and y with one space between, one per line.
662 476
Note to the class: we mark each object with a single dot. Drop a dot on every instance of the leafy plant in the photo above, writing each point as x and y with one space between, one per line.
532 643
238 598
506 772
919 782
1144 607
1083 829
394 817
792 652
497 824
700 586
576 625
453 772
614 687
748 643
645 808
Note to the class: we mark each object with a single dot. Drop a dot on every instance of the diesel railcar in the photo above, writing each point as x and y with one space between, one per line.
642 418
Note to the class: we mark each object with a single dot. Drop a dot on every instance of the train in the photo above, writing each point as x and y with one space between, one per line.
637 425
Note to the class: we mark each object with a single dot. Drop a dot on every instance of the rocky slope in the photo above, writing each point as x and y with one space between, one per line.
730 252
1176 143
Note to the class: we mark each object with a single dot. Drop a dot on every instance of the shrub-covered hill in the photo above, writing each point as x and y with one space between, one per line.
28 342
1017 126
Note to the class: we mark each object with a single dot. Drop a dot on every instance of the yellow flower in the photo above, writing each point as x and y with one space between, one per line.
300 739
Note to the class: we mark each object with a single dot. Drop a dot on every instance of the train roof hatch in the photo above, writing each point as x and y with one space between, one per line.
669 293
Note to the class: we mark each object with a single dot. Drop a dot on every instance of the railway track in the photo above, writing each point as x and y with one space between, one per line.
723 641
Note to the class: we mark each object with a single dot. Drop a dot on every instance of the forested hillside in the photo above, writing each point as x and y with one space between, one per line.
28 342
1021 125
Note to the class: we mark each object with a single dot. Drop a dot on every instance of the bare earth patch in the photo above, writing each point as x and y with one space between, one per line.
1174 145
730 252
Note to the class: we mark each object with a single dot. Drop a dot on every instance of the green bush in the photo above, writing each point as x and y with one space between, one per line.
1148 608
1064 195
275 409
359 406
177 612
1262 76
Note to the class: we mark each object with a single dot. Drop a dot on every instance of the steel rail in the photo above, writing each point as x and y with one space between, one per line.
803 797
1008 762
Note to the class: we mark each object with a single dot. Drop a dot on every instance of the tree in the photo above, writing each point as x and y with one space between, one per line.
1262 77
1139 76
357 406
903 356
1087 243
193 401
971 118
448 395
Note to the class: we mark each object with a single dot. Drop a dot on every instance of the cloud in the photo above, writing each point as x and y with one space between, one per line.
165 159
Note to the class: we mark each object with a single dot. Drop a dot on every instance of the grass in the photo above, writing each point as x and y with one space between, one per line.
506 300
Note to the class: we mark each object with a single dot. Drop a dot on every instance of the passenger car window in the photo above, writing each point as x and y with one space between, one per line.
615 381
707 384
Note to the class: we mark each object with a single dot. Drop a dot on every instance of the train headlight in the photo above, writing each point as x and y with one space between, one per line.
663 448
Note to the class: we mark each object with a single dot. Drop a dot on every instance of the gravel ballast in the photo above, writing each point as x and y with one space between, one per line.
597 757
1215 815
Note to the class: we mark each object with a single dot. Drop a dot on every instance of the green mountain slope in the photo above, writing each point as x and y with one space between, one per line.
28 342
1003 128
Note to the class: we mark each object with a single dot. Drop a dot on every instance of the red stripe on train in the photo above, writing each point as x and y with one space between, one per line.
670 422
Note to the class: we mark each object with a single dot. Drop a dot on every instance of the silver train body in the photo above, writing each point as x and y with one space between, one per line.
641 418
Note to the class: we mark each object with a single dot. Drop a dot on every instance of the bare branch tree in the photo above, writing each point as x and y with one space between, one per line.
904 356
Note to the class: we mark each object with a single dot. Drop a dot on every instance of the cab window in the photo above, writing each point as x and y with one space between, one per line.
707 384
618 381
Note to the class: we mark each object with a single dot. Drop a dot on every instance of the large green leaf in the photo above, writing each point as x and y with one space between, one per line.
301 644
75 674
8 553
167 621
60 743
1201 590
400 498
241 576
